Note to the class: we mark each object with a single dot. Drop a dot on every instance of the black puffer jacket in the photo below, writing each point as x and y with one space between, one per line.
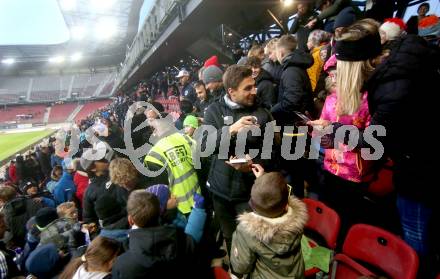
158 252
265 90
295 91
400 94
273 68
224 181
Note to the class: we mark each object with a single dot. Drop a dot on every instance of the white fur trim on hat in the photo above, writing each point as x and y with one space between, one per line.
391 30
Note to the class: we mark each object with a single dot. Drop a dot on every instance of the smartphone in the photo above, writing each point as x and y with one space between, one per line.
238 161
302 116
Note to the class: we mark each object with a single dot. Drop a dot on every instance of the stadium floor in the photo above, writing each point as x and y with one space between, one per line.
14 142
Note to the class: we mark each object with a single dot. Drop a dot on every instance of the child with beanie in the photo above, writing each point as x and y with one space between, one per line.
267 241
190 124
391 30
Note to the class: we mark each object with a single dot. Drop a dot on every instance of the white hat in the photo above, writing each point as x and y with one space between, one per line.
391 29
182 73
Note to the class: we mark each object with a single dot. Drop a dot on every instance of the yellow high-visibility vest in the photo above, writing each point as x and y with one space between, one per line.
174 151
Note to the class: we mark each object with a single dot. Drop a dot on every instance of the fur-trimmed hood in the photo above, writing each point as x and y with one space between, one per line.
266 229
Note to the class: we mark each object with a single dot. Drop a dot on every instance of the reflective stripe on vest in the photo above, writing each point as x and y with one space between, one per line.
174 152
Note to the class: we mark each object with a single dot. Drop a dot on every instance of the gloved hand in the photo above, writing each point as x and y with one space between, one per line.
199 201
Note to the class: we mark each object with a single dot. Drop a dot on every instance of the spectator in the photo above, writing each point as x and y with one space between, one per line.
190 124
8 268
31 189
143 258
43 156
270 62
55 176
187 92
17 211
81 181
265 86
317 43
12 172
68 210
413 22
96 263
295 94
186 108
256 51
65 189
212 77
230 185
45 261
203 98
304 13
267 242
381 9
391 30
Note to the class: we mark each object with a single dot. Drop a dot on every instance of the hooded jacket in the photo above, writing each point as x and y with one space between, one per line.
223 180
265 89
270 247
157 252
273 68
295 90
65 189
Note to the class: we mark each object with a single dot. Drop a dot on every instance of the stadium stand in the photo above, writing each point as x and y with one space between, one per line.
89 108
11 113
60 112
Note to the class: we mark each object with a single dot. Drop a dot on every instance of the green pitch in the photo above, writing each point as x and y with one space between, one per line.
12 143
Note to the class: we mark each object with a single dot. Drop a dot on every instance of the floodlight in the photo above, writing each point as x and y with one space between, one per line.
78 32
106 28
8 61
230 34
287 3
68 5
56 59
76 57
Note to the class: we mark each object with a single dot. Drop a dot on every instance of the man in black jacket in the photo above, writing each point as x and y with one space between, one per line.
229 184
187 91
295 94
265 86
154 251
304 14
203 98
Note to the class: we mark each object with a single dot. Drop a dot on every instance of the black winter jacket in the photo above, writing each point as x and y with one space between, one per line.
158 252
295 91
265 90
224 181
273 68
399 94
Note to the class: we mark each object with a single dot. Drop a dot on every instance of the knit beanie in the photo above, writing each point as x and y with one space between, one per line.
393 28
212 74
162 192
269 195
45 216
43 261
345 18
212 61
108 210
191 121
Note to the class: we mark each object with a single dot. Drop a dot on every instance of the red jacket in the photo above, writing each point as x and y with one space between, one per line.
81 181
13 173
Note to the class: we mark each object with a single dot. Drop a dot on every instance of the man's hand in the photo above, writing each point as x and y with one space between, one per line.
320 123
243 167
244 122
258 170
311 23
172 202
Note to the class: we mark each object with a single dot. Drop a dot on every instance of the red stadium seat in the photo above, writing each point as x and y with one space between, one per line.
378 248
324 221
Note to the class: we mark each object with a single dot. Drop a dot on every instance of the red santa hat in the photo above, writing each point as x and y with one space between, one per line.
212 61
393 28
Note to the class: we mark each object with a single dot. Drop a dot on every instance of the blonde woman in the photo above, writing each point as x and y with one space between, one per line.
399 99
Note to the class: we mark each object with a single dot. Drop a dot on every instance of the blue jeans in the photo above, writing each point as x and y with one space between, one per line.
415 218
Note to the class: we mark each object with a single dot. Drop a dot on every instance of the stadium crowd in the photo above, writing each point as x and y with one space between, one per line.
73 214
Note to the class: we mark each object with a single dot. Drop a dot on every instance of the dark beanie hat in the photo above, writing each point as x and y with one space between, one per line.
45 216
345 18
107 208
269 195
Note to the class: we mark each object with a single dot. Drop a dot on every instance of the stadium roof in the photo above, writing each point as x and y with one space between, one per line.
47 32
